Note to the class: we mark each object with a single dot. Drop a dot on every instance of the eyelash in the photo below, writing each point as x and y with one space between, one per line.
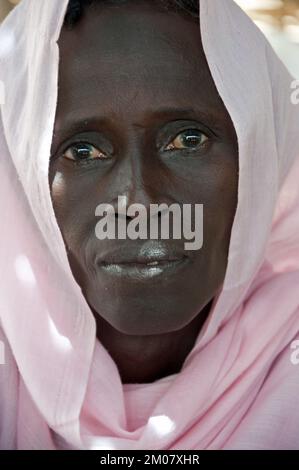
188 149
86 161
83 161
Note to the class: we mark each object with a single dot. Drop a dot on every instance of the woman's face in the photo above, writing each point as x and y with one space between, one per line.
138 115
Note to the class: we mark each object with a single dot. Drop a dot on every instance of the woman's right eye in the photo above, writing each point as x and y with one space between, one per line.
84 152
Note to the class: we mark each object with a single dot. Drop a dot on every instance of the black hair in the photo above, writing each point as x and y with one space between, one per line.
76 8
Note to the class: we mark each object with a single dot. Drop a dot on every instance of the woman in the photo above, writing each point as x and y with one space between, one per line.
140 344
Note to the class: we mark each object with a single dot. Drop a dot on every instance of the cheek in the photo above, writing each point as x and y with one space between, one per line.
58 191
68 210
220 217
222 189
57 188
227 199
60 194
217 190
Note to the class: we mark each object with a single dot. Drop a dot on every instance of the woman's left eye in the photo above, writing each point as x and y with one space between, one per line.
189 139
83 151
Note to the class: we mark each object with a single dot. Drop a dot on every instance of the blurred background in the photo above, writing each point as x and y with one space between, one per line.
278 19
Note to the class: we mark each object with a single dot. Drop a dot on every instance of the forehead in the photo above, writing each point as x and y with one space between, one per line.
132 58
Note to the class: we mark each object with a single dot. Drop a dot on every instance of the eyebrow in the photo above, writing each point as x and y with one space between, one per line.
200 114
72 126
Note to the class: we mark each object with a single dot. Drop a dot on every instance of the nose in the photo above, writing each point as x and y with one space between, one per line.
140 181
138 193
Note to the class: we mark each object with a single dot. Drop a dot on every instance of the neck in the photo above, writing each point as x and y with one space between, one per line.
144 359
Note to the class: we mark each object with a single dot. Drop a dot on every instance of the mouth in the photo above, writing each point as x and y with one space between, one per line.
142 270
152 260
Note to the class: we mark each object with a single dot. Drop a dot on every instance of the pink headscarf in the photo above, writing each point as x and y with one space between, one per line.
238 388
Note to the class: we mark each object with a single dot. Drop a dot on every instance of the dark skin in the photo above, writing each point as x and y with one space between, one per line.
134 78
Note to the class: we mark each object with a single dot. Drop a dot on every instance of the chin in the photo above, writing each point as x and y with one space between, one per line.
145 321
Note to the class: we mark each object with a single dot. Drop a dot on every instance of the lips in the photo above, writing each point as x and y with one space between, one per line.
150 259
